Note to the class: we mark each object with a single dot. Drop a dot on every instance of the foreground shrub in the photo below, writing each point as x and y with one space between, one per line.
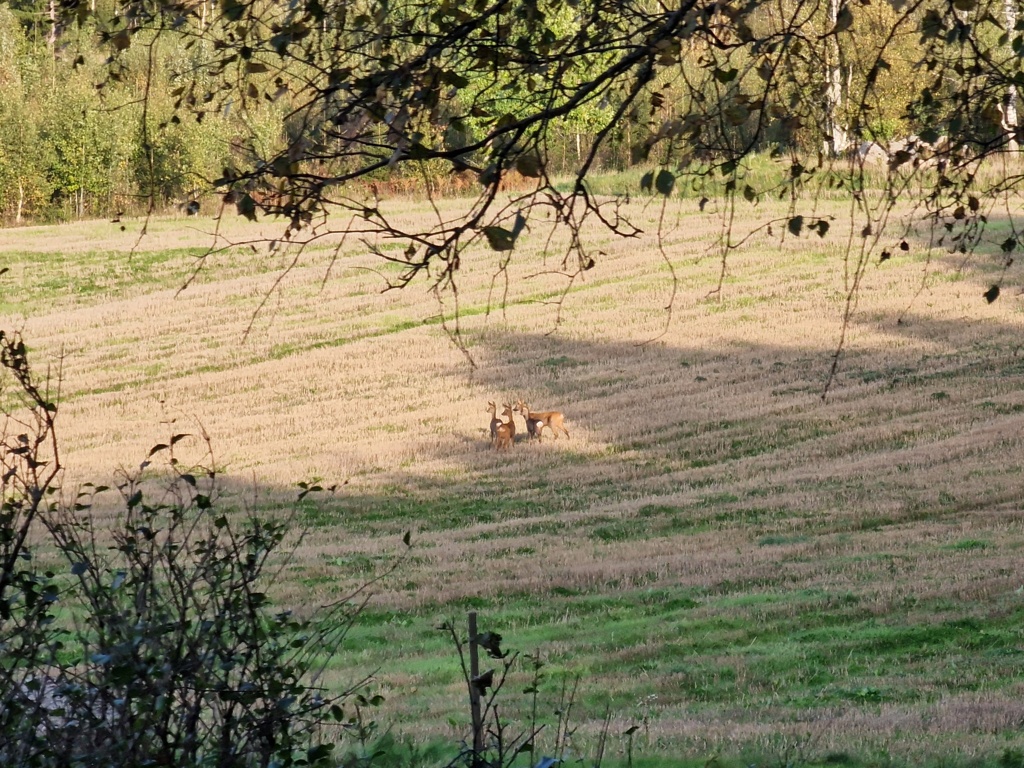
152 643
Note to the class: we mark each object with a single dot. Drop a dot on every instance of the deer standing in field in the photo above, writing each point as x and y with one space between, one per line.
506 433
495 421
511 423
535 422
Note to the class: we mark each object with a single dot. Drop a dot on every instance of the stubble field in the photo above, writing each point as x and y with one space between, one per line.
723 557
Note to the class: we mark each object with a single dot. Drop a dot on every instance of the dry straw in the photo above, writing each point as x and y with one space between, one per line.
716 419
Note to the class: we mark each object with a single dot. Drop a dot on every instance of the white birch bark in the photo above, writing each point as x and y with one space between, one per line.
836 140
1010 111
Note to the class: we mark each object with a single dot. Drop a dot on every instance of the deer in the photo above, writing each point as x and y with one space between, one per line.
503 438
505 434
511 423
495 421
535 422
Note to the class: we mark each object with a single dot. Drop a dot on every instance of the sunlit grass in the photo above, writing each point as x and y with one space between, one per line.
727 560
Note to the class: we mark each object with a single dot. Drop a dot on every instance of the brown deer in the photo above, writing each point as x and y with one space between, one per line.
511 423
533 425
503 438
535 422
506 433
495 421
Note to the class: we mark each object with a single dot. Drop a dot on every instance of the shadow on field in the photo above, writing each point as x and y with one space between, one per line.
713 535
924 414
729 557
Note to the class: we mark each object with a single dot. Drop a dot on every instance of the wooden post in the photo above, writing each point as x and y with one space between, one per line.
474 692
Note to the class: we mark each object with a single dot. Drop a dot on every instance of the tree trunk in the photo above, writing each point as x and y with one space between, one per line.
1010 99
51 36
474 693
836 140
21 201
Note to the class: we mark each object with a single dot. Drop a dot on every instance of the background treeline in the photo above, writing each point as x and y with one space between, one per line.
69 149
78 143
80 137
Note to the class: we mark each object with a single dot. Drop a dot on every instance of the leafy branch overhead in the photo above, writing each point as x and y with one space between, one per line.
881 101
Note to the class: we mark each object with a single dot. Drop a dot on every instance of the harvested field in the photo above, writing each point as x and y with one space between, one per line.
725 557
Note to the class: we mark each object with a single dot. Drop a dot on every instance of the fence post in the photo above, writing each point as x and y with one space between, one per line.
474 692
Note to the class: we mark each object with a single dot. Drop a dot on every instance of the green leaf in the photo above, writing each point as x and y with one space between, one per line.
499 239
844 20
664 182
725 76
233 9
247 207
529 165
319 753
454 79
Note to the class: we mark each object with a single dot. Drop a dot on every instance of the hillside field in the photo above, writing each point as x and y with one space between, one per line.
725 559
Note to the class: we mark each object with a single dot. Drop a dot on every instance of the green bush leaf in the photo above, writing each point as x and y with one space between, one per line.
664 182
499 239
247 207
529 165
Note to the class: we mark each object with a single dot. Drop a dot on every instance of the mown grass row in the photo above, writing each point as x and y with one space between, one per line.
725 560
